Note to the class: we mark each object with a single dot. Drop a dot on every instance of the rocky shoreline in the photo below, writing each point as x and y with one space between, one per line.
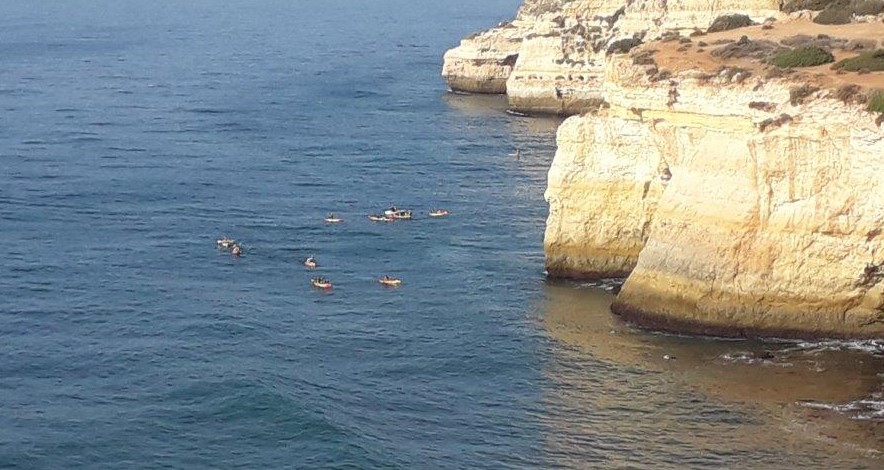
736 198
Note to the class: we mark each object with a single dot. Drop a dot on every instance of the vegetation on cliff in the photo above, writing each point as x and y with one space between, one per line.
798 5
623 46
809 56
728 22
869 62
876 102
842 11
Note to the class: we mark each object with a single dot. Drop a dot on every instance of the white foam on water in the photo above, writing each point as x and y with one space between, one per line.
611 285
868 346
867 409
750 358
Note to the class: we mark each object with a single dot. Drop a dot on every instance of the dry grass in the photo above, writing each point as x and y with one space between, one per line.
763 106
851 94
798 94
773 123
711 59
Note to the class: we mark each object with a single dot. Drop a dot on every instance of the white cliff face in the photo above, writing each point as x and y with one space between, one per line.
766 226
770 231
561 45
658 16
562 72
559 73
732 208
604 186
482 63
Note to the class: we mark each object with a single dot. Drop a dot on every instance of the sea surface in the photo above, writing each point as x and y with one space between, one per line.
134 134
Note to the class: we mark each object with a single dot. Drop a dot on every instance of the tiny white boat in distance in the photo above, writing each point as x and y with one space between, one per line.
225 242
310 262
401 215
390 281
439 213
321 283
380 218
333 219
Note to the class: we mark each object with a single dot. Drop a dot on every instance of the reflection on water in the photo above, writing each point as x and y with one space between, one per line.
472 106
623 396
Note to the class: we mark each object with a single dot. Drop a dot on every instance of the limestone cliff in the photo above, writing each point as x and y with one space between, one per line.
738 199
561 72
738 209
551 58
601 168
483 61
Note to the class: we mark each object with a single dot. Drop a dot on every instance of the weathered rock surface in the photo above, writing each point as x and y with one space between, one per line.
551 58
604 186
772 221
483 61
734 205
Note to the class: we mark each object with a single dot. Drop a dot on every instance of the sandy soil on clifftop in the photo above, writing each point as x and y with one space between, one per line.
668 56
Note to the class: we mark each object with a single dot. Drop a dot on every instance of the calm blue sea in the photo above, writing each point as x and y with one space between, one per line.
133 134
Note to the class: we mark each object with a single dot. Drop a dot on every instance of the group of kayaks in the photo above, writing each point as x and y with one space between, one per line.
389 215
324 283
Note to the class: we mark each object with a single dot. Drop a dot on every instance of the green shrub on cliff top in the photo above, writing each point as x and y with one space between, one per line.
834 14
872 61
729 22
797 5
841 11
809 56
876 102
867 7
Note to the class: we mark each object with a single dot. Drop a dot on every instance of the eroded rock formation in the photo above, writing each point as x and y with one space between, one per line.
738 199
483 61
736 208
551 58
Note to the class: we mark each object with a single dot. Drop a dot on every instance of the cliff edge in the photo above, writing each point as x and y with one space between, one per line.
723 157
741 199
551 58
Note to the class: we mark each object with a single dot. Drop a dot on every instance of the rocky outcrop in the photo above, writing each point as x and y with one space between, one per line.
736 202
562 72
483 62
738 209
551 59
604 186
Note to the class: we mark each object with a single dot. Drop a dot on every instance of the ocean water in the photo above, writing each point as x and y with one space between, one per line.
133 134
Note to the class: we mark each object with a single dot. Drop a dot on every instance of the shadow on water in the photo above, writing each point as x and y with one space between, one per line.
478 106
702 402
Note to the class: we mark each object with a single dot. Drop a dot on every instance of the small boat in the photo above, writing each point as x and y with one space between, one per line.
392 210
321 283
333 219
401 215
379 218
439 213
236 250
225 242
310 262
390 281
